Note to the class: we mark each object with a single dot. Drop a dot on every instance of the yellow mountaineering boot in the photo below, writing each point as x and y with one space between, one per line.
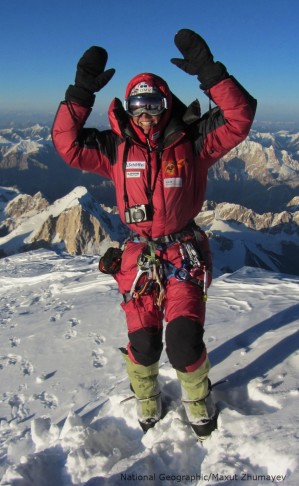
196 397
144 384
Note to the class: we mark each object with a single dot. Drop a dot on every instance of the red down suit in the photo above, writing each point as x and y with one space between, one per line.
173 160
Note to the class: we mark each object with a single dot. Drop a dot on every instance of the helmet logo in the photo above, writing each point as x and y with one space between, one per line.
143 87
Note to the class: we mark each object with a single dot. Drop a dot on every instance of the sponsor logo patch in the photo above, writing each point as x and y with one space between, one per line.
135 165
170 168
133 175
173 182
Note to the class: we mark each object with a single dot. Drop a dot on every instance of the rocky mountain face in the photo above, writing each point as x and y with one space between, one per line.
79 231
78 224
238 236
29 162
287 221
257 224
21 208
262 173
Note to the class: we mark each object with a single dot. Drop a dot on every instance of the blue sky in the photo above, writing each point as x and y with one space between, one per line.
41 42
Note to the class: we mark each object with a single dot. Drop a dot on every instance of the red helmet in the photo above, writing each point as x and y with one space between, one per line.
150 84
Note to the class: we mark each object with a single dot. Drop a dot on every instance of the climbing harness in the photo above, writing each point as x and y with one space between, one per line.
153 271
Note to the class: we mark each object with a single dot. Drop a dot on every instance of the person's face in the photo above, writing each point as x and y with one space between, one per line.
146 121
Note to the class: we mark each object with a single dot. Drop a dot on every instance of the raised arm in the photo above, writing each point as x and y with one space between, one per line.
84 148
225 126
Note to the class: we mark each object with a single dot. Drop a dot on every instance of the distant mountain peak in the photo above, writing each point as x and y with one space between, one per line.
261 173
75 222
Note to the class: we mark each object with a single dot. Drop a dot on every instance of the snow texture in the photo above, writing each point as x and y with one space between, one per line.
62 420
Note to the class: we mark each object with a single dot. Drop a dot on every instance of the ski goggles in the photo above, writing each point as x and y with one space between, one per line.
152 104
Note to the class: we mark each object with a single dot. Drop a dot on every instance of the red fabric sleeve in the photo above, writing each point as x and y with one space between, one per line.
237 110
69 121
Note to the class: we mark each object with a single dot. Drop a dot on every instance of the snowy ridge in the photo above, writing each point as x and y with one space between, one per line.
25 141
62 422
236 241
13 241
80 225
6 195
30 225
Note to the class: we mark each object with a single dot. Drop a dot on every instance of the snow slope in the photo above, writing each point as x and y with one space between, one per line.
62 422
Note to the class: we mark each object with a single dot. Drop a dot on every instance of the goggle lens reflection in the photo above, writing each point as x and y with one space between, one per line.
152 105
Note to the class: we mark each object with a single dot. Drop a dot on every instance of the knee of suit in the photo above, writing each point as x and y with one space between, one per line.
146 345
184 342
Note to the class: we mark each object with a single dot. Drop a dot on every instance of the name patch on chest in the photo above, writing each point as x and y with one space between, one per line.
133 175
173 182
135 164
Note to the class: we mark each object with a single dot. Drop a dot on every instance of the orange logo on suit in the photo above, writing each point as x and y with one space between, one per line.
181 163
171 168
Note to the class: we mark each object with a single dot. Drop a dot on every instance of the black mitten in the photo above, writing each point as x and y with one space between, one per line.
90 76
198 59
110 262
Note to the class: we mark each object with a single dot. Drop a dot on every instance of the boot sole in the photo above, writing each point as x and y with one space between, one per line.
203 431
148 425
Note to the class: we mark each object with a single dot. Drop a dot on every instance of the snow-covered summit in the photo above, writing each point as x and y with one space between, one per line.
78 224
63 421
75 222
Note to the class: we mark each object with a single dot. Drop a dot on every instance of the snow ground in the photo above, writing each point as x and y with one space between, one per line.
62 380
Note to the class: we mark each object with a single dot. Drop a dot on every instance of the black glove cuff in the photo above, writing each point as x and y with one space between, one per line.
211 74
80 95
